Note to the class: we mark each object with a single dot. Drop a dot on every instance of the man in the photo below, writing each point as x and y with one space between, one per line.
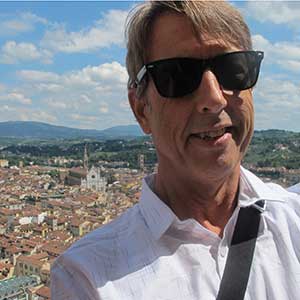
191 74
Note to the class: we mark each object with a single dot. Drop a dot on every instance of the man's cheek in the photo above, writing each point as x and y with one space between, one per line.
248 114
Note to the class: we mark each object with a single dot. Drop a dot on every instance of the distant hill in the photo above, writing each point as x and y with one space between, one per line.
39 130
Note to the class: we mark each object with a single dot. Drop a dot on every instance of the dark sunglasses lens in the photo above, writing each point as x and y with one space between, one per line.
176 77
237 71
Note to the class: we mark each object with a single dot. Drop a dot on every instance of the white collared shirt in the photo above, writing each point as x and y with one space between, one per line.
149 254
295 188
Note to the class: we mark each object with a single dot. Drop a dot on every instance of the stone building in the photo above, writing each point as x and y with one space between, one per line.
94 181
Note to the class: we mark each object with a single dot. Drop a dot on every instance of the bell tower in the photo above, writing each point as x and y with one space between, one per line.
85 158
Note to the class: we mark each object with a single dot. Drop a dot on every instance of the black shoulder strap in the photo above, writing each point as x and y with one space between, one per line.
237 269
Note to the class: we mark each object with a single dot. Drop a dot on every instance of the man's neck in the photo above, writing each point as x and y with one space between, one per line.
211 203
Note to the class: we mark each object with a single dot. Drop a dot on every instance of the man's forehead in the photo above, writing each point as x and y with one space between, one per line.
214 45
173 35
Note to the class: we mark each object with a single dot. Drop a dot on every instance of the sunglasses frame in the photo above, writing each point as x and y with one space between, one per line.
207 63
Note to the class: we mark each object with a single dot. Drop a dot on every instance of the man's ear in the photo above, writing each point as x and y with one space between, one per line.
139 107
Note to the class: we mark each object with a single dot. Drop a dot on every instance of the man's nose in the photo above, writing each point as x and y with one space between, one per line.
209 96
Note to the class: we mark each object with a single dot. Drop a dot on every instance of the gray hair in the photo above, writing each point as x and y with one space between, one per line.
217 19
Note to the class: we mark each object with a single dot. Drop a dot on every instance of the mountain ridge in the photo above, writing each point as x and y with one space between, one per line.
42 130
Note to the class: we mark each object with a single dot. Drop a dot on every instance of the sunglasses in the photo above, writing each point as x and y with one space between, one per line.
180 76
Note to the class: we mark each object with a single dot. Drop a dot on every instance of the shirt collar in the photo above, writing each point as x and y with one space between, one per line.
156 213
253 189
159 216
295 188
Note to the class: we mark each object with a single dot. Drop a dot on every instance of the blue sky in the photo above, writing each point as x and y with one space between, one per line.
63 62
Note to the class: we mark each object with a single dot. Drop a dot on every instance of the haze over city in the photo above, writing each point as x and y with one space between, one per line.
64 63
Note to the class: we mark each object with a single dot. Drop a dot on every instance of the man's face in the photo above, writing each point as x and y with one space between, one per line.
180 126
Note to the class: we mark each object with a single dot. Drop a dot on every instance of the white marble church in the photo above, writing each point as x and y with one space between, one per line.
94 181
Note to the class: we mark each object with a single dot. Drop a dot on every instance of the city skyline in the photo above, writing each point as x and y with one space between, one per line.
64 63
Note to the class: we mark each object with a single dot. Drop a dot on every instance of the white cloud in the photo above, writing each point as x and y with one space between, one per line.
107 72
16 97
105 77
49 87
7 108
277 103
291 65
92 97
291 50
277 12
86 121
125 105
103 108
27 113
261 43
12 52
35 115
85 99
43 116
38 76
279 92
56 104
284 54
22 22
107 31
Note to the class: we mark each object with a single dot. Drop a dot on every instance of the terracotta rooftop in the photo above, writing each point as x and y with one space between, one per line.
40 256
79 170
30 260
6 212
44 292
76 222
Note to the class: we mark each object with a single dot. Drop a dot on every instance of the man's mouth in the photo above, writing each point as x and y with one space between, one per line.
212 135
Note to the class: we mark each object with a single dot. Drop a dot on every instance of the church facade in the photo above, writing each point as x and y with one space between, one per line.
94 181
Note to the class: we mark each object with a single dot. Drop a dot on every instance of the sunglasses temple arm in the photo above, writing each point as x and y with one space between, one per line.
140 75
